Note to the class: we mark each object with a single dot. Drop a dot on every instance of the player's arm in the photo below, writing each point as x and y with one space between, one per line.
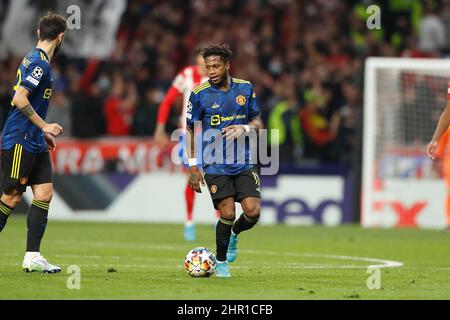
236 130
255 122
443 124
20 100
195 175
171 96
193 114
165 106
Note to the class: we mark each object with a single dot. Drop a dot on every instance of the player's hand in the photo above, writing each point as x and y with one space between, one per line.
234 131
160 137
195 178
53 128
431 149
51 142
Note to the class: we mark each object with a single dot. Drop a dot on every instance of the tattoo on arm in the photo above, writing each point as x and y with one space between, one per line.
192 178
27 111
190 142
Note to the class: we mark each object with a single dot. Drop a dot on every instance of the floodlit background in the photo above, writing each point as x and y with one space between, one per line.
355 89
306 60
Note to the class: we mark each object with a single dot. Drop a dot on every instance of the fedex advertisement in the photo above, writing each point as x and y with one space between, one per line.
408 192
159 197
402 202
306 199
134 181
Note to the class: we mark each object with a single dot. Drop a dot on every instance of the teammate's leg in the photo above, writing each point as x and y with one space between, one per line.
15 165
448 207
5 211
189 197
189 227
8 201
42 187
447 182
37 224
38 215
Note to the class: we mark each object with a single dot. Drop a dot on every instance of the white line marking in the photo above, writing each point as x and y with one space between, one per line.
269 265
382 263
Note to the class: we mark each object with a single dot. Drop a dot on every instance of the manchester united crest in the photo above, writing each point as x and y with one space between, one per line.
240 99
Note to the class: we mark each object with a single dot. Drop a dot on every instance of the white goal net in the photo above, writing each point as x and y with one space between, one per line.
403 99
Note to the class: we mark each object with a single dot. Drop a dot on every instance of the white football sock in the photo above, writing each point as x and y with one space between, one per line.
32 255
189 223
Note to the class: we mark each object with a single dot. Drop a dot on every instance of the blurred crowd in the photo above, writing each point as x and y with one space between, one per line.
305 59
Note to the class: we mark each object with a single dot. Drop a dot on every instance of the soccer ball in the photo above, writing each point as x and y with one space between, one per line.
200 263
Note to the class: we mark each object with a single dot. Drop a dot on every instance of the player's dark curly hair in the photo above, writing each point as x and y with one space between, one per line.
51 25
222 50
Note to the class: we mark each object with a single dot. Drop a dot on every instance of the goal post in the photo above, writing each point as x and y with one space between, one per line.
403 99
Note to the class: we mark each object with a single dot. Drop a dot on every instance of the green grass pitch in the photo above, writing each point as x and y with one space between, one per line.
145 261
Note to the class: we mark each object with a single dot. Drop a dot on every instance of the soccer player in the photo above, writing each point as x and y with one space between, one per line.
230 106
183 84
441 129
442 157
27 138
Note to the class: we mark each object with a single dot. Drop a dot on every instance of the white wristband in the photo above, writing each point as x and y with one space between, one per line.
192 162
246 128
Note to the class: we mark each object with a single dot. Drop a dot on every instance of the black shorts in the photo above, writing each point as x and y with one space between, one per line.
21 168
240 186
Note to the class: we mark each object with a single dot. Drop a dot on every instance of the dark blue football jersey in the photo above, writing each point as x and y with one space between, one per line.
217 109
34 75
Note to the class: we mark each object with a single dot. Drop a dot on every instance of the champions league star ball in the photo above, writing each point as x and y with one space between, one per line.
200 263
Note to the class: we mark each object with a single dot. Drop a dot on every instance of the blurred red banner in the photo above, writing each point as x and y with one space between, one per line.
129 155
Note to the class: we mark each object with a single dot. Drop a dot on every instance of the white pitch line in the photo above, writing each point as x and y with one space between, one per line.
251 264
383 263
267 267
78 256
118 266
121 245
380 262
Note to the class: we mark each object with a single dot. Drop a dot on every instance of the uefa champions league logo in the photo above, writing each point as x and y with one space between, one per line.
37 73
